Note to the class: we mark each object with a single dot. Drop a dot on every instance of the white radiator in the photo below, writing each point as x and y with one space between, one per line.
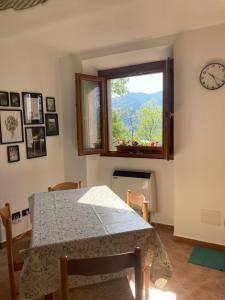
142 182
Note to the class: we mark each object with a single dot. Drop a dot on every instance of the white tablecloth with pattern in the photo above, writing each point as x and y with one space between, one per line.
89 222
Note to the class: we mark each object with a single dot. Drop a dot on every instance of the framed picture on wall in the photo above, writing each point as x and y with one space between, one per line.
4 98
32 108
52 126
14 99
11 126
35 142
50 104
13 153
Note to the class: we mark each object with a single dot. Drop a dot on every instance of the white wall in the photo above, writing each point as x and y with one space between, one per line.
26 68
75 166
199 137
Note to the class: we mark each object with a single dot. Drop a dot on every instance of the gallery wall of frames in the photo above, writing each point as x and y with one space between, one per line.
27 115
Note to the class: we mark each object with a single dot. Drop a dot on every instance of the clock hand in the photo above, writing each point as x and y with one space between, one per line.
218 78
213 77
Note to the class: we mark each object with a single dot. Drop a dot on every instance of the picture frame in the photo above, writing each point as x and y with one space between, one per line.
13 153
11 126
33 108
52 124
50 104
35 142
14 99
4 98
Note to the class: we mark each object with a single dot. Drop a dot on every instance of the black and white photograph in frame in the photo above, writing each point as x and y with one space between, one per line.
33 108
35 142
4 98
14 99
11 126
50 104
52 125
13 153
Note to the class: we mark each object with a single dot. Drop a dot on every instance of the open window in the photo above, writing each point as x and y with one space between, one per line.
127 111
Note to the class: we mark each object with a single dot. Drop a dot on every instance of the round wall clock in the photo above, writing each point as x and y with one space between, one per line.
212 76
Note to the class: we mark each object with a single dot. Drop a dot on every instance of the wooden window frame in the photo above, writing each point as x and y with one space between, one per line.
164 152
79 111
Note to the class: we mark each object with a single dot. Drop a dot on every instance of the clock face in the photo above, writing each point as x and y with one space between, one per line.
212 76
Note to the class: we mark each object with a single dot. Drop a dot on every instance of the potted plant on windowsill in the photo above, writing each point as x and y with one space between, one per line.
134 147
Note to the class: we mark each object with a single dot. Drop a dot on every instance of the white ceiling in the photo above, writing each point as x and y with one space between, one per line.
75 26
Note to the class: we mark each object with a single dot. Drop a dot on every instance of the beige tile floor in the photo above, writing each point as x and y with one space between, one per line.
189 282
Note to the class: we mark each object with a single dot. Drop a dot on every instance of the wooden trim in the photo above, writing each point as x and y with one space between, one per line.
193 242
169 110
163 226
135 155
79 111
134 70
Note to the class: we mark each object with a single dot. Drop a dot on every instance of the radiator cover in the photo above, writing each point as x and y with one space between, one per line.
138 181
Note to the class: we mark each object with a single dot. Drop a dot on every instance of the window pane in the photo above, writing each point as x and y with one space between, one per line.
91 93
136 111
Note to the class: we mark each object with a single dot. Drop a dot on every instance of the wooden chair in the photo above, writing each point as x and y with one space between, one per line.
15 261
66 186
108 290
137 201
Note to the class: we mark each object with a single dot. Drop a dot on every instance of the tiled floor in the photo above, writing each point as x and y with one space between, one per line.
189 282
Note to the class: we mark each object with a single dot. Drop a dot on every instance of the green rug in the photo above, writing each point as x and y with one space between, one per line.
208 258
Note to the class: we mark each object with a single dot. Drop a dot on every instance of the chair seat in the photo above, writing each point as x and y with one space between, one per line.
18 245
117 289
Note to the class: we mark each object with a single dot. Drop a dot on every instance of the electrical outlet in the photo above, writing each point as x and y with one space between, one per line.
25 212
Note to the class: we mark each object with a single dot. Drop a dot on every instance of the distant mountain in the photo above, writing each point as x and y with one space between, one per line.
135 100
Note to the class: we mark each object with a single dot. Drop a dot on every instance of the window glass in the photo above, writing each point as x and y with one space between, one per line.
136 111
91 117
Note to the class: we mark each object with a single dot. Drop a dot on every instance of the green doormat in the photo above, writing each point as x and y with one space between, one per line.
208 258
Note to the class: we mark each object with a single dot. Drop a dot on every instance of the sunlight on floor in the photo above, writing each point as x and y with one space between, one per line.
155 294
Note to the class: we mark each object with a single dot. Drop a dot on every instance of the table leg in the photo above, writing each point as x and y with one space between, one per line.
49 297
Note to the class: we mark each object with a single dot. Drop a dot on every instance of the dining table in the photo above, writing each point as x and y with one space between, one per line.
84 223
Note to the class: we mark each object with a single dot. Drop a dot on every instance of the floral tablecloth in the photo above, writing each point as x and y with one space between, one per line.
89 222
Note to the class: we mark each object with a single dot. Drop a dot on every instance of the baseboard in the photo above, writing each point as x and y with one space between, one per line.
198 243
163 226
25 234
188 240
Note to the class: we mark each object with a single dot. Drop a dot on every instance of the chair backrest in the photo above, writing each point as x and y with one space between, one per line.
138 199
5 214
66 186
102 265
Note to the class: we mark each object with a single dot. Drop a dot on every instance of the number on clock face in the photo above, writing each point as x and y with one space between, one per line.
212 76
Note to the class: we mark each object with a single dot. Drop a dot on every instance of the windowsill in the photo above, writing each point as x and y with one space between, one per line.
134 155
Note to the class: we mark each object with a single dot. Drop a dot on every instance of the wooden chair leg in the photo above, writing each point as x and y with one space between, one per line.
146 281
12 280
145 211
